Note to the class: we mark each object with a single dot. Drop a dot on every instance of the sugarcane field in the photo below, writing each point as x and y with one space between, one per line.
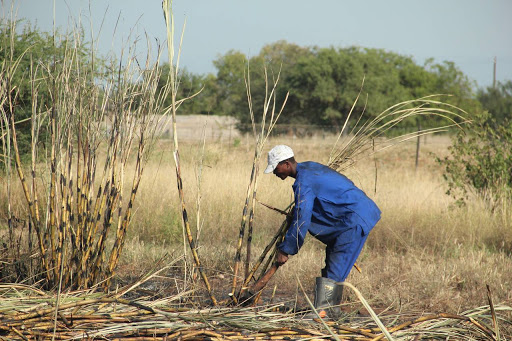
275 200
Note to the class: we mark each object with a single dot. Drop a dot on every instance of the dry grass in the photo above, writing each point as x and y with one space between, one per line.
27 313
425 253
425 256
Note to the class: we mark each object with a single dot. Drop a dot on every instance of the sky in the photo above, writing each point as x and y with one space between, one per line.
470 33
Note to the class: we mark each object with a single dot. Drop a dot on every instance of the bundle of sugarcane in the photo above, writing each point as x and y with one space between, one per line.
96 119
27 313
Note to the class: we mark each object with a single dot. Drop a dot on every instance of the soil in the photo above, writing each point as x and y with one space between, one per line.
164 287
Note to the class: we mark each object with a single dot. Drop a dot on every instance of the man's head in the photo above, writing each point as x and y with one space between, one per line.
281 162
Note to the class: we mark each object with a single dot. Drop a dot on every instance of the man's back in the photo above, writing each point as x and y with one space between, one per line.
336 198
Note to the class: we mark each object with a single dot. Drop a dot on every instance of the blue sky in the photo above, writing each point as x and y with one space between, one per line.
468 32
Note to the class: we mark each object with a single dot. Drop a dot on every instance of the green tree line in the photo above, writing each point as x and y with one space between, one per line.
322 82
34 55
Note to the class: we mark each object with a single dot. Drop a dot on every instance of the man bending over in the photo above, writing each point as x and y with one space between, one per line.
332 209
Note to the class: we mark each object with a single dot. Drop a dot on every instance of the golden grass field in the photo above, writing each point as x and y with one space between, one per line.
425 268
425 254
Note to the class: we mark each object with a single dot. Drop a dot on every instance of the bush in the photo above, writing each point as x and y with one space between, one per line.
481 162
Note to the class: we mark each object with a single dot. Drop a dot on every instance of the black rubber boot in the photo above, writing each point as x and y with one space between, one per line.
327 299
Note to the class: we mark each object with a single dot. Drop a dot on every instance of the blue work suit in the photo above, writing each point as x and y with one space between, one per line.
332 209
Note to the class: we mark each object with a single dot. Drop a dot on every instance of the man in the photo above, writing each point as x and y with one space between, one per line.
331 208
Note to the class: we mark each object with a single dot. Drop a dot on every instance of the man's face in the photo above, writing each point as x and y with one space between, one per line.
283 169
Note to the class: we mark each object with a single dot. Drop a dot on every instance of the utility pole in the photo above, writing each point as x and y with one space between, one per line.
494 74
417 146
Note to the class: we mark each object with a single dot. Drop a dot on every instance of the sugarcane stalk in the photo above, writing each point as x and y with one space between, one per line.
198 197
107 210
275 208
61 226
6 144
251 185
189 232
81 193
120 223
88 209
280 232
269 102
242 226
33 145
107 222
269 260
96 219
99 205
69 212
249 243
66 158
173 72
32 210
251 223
121 230
78 227
53 180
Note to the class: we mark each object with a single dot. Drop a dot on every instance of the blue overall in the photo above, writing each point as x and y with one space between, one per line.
332 209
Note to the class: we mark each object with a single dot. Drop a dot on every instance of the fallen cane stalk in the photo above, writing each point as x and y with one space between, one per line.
369 309
493 313
435 317
145 320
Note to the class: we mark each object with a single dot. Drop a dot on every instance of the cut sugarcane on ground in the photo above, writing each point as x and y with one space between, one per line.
28 313
424 256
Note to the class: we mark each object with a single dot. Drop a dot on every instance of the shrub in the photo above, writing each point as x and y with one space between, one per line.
481 161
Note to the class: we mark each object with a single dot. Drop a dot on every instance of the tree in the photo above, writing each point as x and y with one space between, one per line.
314 93
282 55
450 80
204 88
34 51
480 163
28 48
324 82
324 86
278 58
498 101
230 80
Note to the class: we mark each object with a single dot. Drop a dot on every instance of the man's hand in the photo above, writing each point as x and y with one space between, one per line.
281 257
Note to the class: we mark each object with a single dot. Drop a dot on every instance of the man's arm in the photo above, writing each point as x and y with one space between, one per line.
301 219
281 257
